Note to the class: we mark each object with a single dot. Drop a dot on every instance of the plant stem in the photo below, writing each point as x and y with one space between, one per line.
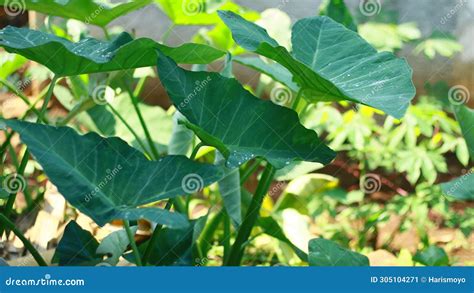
196 150
140 142
18 93
294 106
249 171
251 217
142 122
166 35
226 236
24 161
155 236
106 33
7 223
10 135
139 88
48 97
133 244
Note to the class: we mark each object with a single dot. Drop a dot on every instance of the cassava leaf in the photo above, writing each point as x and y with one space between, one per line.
77 247
66 58
337 10
465 117
461 188
323 252
97 12
107 179
226 116
332 63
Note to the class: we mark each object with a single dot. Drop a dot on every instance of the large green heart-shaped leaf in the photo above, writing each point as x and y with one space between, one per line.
465 117
77 247
66 58
226 116
461 188
97 12
324 253
332 63
107 179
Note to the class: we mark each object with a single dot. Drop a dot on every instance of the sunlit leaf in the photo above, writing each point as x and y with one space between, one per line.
10 63
272 228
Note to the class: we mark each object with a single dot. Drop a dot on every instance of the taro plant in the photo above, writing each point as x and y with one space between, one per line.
233 133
